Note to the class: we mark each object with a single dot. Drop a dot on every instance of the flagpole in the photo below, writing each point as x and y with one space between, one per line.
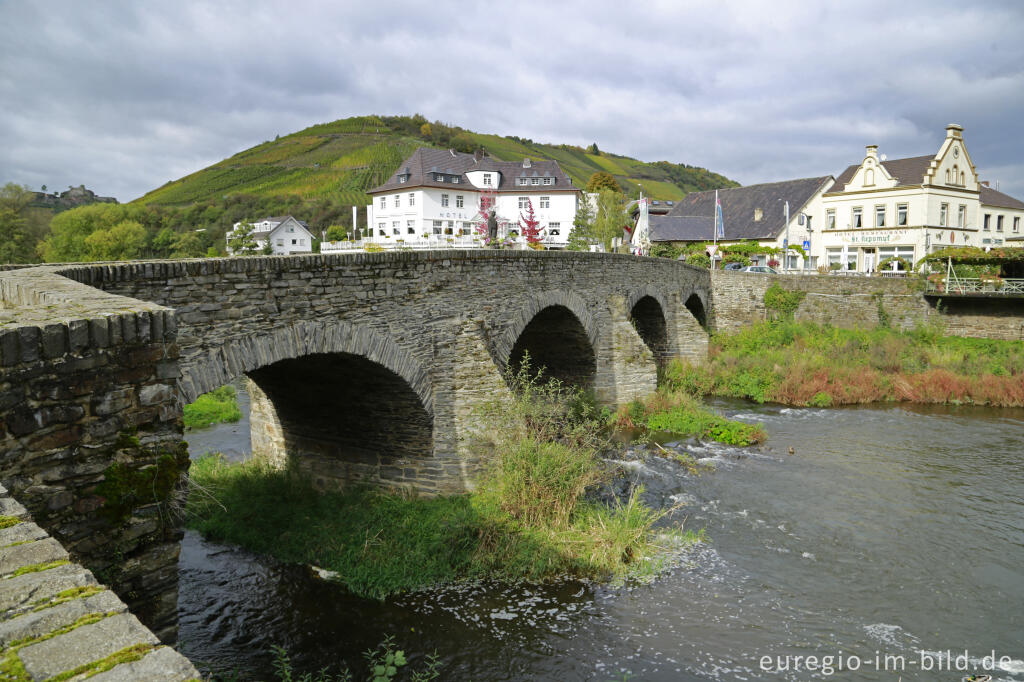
714 222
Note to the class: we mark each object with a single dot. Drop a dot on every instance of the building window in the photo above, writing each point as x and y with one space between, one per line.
394 229
554 229
455 179
459 201
549 181
961 216
437 227
380 229
398 200
545 202
1016 224
879 216
410 226
830 219
412 199
869 177
439 177
294 242
464 230
857 219
999 223
383 202
444 199
901 214
535 181
523 202
943 215
450 229
523 181
280 242
487 179
987 224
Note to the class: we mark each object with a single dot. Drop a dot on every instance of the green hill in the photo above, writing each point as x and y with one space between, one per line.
339 161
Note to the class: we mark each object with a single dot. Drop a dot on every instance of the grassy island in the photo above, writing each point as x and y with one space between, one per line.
216 407
801 363
528 519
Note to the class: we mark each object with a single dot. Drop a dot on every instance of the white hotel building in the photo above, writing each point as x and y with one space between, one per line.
433 200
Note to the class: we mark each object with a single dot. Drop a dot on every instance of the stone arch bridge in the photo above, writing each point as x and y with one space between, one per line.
364 367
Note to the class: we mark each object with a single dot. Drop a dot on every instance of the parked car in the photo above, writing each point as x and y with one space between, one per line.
733 266
763 269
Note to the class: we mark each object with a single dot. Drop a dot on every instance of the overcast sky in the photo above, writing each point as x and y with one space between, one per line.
124 96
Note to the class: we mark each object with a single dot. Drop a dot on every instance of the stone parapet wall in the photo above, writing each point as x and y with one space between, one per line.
91 432
57 619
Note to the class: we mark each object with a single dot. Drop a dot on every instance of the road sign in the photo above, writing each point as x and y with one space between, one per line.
785 243
807 245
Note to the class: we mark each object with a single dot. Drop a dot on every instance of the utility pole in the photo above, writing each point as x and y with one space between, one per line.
785 242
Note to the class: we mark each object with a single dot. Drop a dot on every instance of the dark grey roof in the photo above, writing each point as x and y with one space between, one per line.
905 171
425 162
683 228
739 204
991 197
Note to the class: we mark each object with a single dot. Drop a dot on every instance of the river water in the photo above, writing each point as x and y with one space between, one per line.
889 532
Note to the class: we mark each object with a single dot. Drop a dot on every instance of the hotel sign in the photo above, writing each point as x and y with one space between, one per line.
875 236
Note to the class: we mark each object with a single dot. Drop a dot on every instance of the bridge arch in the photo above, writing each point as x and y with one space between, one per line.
247 354
649 317
559 332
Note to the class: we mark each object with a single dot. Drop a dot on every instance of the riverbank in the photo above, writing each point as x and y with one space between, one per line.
219 406
806 364
527 520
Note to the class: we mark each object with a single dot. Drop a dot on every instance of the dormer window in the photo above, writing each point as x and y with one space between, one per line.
524 181
438 177
403 178
549 181
455 179
534 181
487 179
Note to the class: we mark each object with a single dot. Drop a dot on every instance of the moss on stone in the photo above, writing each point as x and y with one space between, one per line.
127 440
67 595
8 521
11 667
126 488
126 655
35 568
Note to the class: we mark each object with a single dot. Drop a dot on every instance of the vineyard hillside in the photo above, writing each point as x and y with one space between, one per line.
341 160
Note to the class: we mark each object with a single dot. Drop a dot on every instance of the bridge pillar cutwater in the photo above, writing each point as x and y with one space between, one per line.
690 338
625 365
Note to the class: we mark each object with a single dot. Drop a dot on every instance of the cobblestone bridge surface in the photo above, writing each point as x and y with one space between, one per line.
365 367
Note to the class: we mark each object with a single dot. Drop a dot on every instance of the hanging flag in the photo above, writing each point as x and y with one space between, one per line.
719 222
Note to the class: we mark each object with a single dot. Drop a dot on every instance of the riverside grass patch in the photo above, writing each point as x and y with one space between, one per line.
219 406
673 411
801 363
527 520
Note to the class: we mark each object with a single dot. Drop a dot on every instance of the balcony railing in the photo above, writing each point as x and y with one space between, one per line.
966 286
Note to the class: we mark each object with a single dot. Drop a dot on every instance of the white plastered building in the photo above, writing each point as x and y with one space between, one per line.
285 234
433 200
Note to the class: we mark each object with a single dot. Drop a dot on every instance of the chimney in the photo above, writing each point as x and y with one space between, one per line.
985 182
954 130
872 151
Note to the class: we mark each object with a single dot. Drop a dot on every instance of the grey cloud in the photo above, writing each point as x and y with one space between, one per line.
124 96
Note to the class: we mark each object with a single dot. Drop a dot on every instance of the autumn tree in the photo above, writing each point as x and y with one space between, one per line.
529 226
602 180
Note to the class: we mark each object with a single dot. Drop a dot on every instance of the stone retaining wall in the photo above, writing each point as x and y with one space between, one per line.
56 619
738 301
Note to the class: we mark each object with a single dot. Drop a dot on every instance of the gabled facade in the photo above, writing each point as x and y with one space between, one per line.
872 211
433 199
284 234
909 207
